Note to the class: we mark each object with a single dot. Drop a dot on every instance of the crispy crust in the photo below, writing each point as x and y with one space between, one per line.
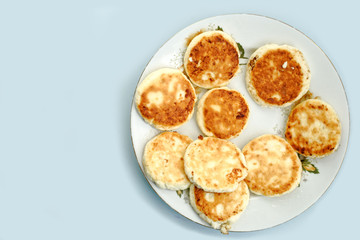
212 59
222 113
277 75
313 128
166 99
274 167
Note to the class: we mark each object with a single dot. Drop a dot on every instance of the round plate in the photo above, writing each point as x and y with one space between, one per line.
253 31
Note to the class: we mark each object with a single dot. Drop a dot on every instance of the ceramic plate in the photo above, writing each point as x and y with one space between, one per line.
253 31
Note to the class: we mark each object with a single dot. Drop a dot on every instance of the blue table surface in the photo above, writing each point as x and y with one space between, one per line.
68 70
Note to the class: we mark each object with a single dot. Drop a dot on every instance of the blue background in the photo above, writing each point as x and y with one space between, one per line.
68 70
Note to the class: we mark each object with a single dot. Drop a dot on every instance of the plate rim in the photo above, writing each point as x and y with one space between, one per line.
281 22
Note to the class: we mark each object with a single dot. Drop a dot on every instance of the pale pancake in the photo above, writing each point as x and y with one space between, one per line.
313 128
166 99
212 59
274 166
214 164
163 160
220 210
222 113
277 75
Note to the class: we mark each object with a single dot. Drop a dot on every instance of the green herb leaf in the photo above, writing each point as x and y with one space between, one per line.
219 28
179 193
242 51
301 157
309 167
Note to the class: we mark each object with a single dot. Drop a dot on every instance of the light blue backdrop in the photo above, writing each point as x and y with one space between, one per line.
68 70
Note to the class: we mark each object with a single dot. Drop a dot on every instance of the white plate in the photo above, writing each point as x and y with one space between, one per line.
253 31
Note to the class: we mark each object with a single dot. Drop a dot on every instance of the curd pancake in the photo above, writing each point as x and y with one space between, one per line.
220 210
166 99
274 166
277 75
222 113
163 160
212 59
214 165
313 128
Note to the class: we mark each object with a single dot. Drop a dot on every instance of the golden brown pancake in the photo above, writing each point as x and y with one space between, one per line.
220 210
277 75
212 59
214 164
166 99
222 113
313 128
163 160
274 166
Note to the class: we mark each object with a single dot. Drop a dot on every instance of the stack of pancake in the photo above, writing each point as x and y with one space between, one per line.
217 173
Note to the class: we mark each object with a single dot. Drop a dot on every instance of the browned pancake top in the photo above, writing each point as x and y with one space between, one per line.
214 164
176 102
225 113
214 57
313 128
163 159
274 167
274 83
222 206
